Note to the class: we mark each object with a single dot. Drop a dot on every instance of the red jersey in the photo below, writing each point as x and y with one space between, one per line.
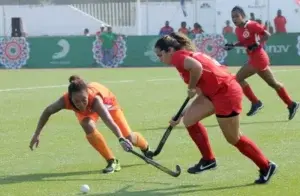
250 33
214 76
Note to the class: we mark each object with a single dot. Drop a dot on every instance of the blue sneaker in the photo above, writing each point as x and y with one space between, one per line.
265 175
293 110
255 107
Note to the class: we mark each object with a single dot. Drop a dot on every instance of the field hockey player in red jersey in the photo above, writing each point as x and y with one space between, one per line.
217 92
252 36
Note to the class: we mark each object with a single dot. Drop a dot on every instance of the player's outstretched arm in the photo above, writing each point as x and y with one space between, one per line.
48 111
101 110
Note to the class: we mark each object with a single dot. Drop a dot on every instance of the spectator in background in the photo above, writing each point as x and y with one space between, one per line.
197 29
259 21
227 29
102 29
86 32
252 16
183 29
280 22
108 39
166 30
268 27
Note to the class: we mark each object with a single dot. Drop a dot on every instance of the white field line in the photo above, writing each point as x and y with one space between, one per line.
162 79
111 82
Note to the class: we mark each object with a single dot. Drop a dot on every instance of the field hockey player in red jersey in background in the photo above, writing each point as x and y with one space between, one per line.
252 36
217 93
90 101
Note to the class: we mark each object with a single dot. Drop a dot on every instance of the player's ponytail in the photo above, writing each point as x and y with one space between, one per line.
239 10
178 41
183 41
76 84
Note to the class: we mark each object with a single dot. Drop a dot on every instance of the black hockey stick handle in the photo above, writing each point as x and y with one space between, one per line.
176 117
169 129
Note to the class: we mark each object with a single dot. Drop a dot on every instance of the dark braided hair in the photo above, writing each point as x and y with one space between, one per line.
73 78
177 41
239 10
76 85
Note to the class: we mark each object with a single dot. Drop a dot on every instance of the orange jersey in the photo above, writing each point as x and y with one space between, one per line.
94 89
109 99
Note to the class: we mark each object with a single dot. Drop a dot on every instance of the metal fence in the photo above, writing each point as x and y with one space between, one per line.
146 17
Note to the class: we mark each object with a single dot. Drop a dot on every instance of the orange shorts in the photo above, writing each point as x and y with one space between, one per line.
118 117
229 99
259 60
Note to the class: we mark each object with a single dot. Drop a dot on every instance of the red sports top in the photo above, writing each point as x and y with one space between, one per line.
214 76
250 34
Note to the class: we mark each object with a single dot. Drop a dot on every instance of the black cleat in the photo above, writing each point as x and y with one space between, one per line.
112 166
265 176
202 166
255 107
293 110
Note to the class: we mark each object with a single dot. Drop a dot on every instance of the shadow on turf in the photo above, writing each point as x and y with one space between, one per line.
216 125
13 179
183 189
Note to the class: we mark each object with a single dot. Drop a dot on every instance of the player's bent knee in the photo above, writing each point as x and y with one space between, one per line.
88 125
242 82
188 121
239 80
230 127
233 140
201 108
232 136
185 121
131 137
275 85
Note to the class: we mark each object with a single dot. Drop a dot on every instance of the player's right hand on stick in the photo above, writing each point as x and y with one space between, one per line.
126 144
35 140
228 46
174 123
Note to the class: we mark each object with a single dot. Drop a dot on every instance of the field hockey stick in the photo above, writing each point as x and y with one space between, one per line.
163 140
158 166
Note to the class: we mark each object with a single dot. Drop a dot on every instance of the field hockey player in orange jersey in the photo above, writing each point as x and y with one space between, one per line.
90 101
